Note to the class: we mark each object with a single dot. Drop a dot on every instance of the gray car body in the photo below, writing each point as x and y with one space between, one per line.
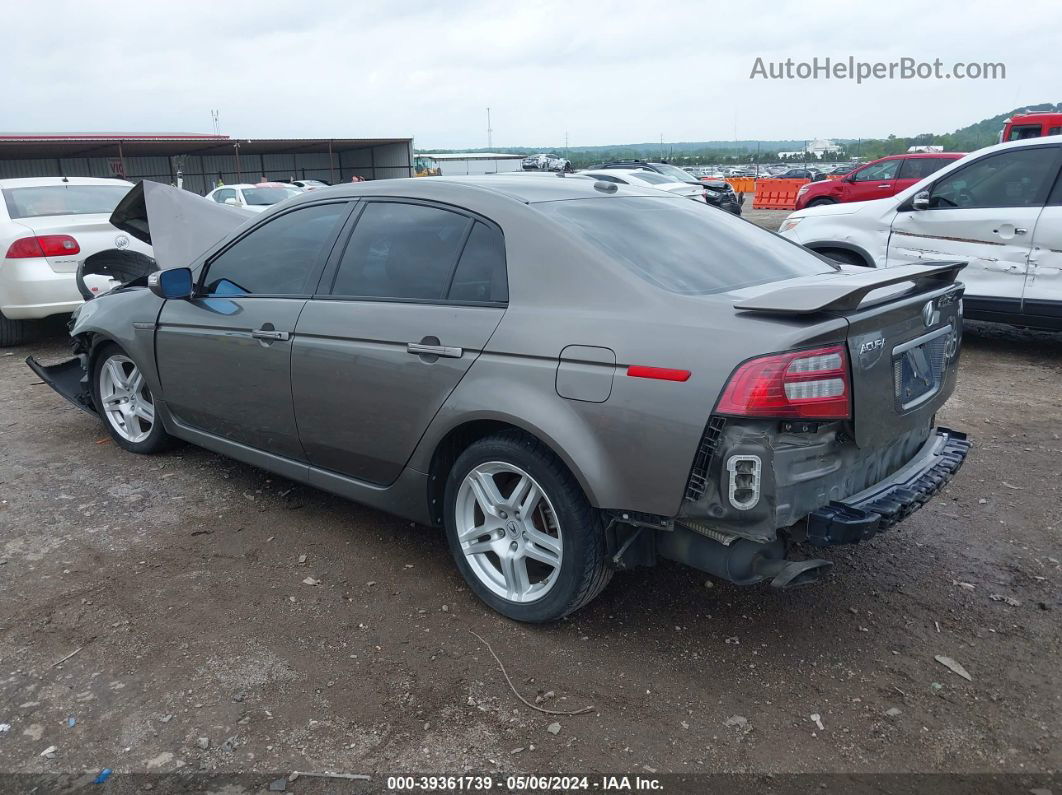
573 323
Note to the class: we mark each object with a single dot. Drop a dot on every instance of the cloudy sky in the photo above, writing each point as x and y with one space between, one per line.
604 72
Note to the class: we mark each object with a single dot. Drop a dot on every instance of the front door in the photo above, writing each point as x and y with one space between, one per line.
400 318
873 182
224 356
983 213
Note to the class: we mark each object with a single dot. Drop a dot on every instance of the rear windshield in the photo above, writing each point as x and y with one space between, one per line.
266 196
683 246
655 179
63 200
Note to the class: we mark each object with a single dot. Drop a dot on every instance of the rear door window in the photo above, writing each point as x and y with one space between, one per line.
402 251
678 246
917 168
480 276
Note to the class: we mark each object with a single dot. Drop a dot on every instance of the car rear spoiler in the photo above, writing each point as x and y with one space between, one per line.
846 290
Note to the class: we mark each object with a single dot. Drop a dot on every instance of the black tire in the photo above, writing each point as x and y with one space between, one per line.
844 257
157 440
14 332
584 571
820 202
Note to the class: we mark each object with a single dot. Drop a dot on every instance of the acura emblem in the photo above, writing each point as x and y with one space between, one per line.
121 241
929 314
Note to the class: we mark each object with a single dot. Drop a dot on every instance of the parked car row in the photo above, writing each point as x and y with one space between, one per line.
546 162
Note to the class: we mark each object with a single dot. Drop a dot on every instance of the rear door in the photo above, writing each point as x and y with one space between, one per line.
983 213
876 181
402 312
1042 299
224 356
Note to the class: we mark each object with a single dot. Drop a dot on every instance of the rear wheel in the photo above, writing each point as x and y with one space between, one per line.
521 531
126 404
13 332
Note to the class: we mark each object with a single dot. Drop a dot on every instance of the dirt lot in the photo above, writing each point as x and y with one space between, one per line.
177 580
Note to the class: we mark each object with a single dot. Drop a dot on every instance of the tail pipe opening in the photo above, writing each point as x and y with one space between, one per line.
739 560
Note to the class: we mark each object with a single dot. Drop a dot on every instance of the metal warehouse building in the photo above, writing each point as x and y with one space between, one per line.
202 160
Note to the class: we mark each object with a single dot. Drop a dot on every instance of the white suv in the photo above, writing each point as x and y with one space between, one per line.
48 225
999 209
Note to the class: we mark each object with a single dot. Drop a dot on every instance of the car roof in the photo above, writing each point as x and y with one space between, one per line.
527 191
37 182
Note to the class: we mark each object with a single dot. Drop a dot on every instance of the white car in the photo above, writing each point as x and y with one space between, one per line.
256 198
309 184
999 209
48 225
647 179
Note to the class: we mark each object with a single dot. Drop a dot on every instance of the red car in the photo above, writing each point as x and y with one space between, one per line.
875 180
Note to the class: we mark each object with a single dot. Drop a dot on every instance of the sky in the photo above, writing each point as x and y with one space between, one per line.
599 72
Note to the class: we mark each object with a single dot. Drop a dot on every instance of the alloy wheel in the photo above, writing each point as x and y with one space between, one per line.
508 532
125 399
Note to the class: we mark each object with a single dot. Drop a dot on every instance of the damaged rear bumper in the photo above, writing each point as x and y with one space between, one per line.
893 499
68 378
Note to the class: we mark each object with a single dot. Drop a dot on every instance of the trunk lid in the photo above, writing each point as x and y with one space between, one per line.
93 233
903 340
904 358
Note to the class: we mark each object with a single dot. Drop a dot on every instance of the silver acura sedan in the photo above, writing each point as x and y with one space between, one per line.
571 377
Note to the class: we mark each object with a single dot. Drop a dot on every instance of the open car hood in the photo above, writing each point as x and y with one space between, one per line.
177 224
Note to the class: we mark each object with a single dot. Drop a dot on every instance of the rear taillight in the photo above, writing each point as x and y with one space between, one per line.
43 246
810 384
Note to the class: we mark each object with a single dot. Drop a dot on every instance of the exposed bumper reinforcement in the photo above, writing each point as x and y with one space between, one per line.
878 508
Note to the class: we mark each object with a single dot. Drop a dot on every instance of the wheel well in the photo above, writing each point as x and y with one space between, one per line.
456 442
847 254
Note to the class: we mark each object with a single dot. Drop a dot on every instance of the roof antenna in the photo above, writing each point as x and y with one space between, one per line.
65 178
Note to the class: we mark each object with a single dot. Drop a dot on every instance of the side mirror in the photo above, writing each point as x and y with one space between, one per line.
920 200
173 284
233 201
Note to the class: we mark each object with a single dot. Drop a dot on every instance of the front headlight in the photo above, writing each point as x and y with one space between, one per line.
804 189
789 223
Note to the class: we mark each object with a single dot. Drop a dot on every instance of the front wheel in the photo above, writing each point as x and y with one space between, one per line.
124 401
820 202
521 531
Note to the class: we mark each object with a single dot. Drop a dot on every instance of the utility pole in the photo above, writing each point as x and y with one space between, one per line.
566 142
214 115
490 133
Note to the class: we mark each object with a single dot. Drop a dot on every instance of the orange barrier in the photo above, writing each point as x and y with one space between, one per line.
742 184
777 194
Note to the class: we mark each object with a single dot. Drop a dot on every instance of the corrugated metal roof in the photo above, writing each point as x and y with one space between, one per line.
29 145
471 156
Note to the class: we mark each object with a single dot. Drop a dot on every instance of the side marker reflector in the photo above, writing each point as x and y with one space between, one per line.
659 373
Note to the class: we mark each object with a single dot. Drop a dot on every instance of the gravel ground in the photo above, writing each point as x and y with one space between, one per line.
178 583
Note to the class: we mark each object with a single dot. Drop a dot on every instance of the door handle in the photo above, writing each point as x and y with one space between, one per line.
886 185
269 334
420 349
1020 231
